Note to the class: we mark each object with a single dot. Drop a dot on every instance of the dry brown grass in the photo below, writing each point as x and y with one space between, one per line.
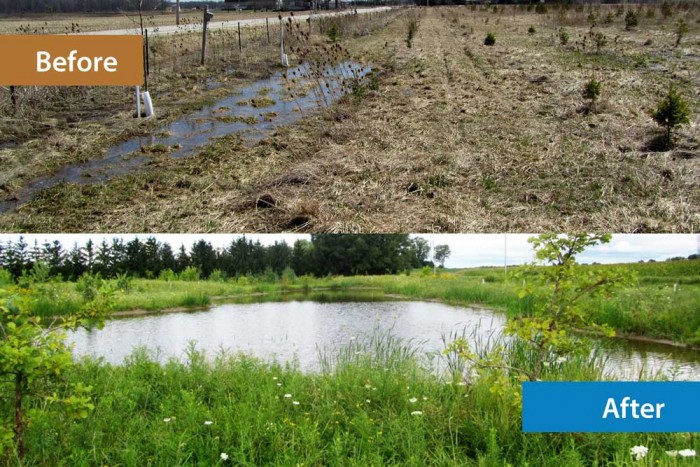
459 138
63 23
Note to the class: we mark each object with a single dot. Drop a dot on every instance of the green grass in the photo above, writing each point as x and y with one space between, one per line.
360 411
664 304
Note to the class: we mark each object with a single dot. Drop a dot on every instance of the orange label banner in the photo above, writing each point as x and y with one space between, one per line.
47 60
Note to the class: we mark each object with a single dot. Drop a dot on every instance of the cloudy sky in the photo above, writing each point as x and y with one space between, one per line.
468 250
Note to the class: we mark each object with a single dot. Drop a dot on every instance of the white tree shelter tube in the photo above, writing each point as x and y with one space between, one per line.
148 103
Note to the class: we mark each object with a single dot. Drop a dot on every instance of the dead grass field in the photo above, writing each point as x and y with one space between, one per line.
458 137
64 23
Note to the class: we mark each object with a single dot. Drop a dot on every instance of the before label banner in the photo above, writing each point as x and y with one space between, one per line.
62 60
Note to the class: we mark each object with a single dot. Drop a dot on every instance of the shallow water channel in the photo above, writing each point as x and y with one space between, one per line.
302 330
253 111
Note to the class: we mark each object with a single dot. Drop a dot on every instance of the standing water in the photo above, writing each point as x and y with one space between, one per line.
298 330
254 112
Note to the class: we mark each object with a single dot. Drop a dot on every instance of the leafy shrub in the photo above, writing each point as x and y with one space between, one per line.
217 275
89 285
490 39
671 112
167 275
531 30
5 277
124 282
190 273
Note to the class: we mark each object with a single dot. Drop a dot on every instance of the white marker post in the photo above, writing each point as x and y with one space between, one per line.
138 102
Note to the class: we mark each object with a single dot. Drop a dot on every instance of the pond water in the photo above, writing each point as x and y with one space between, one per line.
253 111
296 331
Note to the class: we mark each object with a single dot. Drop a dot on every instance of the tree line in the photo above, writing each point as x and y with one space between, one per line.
337 254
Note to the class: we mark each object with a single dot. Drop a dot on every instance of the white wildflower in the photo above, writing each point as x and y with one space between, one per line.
208 422
413 400
288 396
224 456
687 453
167 420
639 452
295 402
416 412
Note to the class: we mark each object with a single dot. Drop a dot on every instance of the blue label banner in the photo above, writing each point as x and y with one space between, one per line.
611 407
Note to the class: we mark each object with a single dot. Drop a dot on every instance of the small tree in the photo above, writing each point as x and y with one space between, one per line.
563 36
32 354
334 32
490 39
442 252
631 20
591 92
671 112
554 286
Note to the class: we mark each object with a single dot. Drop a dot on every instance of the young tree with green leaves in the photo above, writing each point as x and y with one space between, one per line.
34 356
554 285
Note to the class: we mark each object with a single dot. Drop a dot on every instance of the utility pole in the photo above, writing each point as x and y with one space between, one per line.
177 13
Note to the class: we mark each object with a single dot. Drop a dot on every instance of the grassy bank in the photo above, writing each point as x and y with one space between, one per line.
379 408
664 303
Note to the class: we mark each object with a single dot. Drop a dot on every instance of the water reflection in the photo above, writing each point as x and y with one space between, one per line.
296 330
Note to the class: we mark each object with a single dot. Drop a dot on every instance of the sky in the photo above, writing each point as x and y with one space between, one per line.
468 250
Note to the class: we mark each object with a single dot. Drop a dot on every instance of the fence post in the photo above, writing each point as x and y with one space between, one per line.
145 60
13 99
240 46
207 17
267 25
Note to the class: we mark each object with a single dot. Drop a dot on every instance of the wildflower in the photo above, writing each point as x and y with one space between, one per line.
274 378
687 453
223 456
561 360
425 398
208 422
167 420
416 412
672 453
413 400
295 402
367 400
368 386
639 452
279 384
288 396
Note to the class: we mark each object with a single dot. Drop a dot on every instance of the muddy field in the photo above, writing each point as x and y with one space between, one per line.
449 135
